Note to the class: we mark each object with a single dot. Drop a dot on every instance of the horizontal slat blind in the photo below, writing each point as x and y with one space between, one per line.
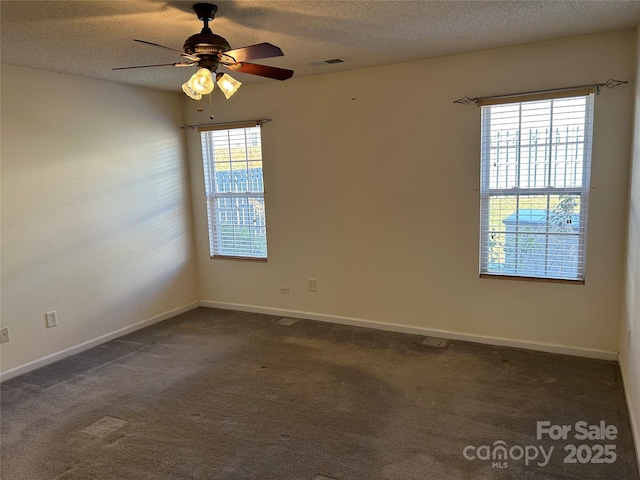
232 160
535 167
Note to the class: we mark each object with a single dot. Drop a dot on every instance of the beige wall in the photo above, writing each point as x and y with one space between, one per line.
95 223
630 334
371 183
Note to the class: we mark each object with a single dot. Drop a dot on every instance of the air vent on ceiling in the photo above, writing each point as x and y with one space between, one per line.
326 62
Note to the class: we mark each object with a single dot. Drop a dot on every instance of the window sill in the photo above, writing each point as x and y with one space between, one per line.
242 259
531 279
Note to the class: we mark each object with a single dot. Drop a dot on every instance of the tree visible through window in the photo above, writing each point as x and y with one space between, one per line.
535 165
232 159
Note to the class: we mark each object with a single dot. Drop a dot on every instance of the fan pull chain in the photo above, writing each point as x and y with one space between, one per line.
211 116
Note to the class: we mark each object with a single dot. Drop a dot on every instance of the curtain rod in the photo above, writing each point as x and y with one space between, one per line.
611 83
259 121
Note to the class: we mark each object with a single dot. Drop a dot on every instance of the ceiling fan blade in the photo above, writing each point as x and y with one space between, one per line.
262 70
252 52
185 55
157 65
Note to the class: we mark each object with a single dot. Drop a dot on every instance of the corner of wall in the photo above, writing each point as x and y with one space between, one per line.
629 345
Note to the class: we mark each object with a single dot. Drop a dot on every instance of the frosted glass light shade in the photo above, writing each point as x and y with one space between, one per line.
227 84
202 81
190 91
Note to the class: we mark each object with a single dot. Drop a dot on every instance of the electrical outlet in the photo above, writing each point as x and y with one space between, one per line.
4 334
51 319
312 284
284 290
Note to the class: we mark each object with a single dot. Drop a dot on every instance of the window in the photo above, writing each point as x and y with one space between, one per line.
534 185
232 159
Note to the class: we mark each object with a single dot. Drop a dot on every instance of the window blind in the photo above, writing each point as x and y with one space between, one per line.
232 161
534 186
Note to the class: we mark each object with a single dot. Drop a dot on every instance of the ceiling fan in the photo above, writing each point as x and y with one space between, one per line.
208 51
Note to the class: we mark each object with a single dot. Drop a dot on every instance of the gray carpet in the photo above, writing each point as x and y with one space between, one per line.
215 394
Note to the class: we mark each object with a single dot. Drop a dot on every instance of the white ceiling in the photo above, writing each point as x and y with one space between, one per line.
89 38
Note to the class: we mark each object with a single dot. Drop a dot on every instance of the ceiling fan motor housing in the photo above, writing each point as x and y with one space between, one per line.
205 43
207 46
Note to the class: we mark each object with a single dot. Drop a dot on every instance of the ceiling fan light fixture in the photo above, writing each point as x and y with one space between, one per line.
227 84
202 81
208 51
190 92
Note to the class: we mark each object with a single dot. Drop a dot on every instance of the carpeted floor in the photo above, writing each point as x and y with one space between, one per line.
215 394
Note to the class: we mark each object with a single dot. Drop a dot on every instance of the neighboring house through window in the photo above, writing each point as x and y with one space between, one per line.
232 160
534 185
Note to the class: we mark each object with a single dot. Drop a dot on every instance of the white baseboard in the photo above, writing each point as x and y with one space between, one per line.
393 327
633 419
357 322
54 357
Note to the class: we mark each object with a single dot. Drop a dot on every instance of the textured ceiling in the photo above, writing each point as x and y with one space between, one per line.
89 38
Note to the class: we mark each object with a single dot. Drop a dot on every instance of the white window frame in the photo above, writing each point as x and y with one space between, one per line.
237 231
487 192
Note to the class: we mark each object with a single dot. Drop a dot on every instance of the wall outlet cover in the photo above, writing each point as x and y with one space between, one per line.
51 319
